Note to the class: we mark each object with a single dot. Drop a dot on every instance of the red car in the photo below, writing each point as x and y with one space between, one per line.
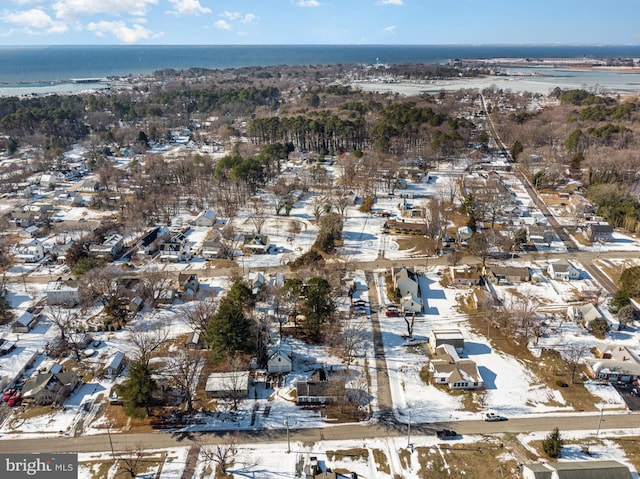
8 393
15 399
391 313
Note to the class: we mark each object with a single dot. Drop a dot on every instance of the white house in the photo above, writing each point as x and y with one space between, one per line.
59 292
24 323
562 270
446 367
111 246
115 364
411 303
29 251
406 280
280 358
206 218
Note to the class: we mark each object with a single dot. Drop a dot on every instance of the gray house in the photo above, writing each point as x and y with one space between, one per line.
576 469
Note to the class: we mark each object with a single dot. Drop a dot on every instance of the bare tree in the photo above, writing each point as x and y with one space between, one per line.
409 319
258 213
574 354
197 314
352 339
183 369
131 460
220 454
62 318
147 341
153 283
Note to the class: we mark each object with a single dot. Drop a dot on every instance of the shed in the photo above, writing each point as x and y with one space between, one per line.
454 337
221 385
24 323
115 364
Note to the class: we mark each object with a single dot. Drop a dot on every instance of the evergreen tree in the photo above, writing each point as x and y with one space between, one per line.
552 444
229 329
317 307
137 389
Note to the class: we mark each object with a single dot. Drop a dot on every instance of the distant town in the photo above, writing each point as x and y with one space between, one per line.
296 272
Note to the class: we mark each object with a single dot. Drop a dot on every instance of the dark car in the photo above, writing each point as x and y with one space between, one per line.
446 434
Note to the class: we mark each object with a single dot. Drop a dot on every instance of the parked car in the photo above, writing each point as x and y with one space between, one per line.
390 313
15 399
446 434
8 393
635 392
492 417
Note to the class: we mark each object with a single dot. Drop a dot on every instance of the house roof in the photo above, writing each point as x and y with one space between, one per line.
227 381
600 228
332 387
38 383
580 470
561 266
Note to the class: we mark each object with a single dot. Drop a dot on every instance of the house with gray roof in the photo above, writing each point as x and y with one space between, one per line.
576 470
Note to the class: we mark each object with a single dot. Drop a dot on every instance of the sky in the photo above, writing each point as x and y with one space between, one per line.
231 22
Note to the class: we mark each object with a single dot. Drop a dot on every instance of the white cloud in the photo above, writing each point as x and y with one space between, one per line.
230 15
390 29
391 2
70 9
34 21
222 25
249 18
26 2
120 30
188 7
308 3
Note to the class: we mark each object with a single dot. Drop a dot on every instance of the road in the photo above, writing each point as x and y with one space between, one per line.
120 442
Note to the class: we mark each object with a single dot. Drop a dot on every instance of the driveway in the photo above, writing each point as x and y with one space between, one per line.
633 402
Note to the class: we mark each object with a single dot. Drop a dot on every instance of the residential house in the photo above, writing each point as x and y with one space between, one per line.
453 337
49 388
62 293
411 303
280 358
320 392
29 232
110 248
562 270
584 313
48 181
24 323
465 277
446 367
540 234
580 206
212 248
69 198
29 251
591 469
115 364
482 299
256 244
148 244
614 363
23 218
463 234
599 232
206 218
507 274
406 227
174 248
257 281
222 385
405 280
188 284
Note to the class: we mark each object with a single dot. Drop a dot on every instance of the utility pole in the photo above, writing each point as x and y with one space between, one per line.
286 422
409 431
600 420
